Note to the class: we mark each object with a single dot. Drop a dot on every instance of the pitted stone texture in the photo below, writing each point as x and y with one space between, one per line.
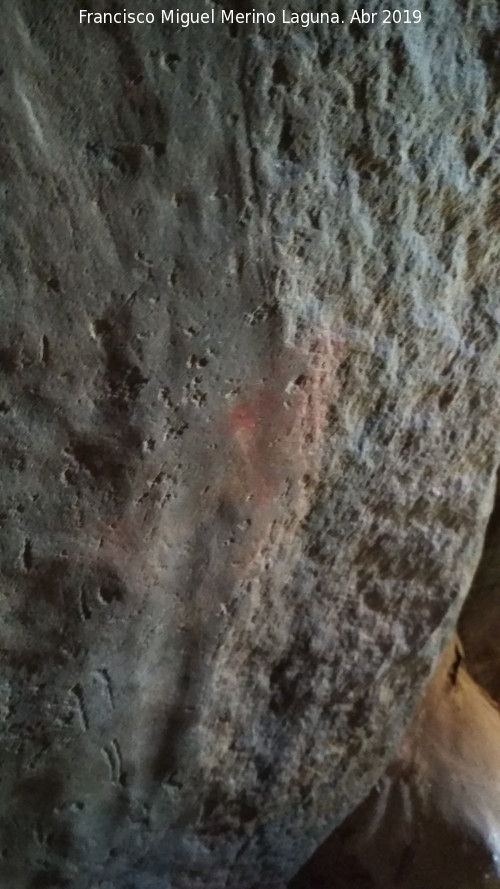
479 621
432 819
249 354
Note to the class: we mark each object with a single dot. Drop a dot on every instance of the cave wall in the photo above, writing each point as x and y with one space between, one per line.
249 362
433 818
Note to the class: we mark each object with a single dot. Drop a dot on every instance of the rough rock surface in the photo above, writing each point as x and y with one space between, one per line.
433 819
249 410
479 623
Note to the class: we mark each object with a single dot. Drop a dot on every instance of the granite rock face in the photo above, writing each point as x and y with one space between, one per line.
433 818
249 362
479 622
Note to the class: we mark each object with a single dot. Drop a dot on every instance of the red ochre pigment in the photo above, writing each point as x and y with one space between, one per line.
276 431
274 449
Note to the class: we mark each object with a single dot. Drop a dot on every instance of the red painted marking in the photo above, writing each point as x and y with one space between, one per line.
276 431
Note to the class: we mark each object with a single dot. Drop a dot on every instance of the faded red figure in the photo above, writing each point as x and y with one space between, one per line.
277 430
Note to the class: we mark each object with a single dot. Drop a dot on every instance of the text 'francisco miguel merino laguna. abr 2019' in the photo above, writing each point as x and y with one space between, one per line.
229 16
